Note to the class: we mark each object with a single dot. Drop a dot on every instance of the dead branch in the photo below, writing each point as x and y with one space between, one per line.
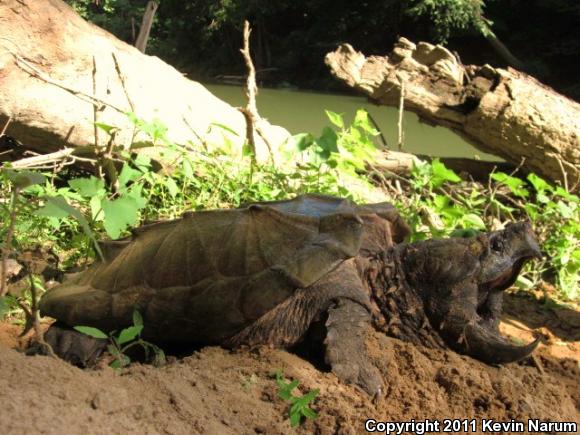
64 157
502 112
95 107
6 124
122 79
35 313
401 111
250 112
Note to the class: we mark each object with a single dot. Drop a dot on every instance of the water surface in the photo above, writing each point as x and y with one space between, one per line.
302 111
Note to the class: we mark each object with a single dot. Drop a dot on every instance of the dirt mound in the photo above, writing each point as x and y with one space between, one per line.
215 391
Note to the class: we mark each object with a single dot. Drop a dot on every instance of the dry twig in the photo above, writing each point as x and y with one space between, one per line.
122 79
250 112
6 124
61 158
401 108
35 313
7 246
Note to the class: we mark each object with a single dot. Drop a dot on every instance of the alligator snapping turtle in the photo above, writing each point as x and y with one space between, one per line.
265 273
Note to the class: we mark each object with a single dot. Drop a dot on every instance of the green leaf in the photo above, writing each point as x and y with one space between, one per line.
328 140
109 129
137 318
187 167
156 129
23 178
143 163
129 334
473 221
335 118
362 121
441 174
464 233
564 210
560 191
309 413
136 193
119 214
88 187
58 205
302 141
247 150
171 187
113 351
91 332
539 183
524 283
514 184
52 209
285 392
225 127
96 209
310 396
120 362
4 307
295 419
128 174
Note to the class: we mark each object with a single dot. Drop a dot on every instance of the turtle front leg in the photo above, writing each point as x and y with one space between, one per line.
72 346
347 325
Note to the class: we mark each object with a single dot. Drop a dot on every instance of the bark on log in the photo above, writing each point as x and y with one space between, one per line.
59 74
503 112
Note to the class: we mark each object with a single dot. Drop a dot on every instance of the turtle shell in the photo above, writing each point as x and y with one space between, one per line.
206 276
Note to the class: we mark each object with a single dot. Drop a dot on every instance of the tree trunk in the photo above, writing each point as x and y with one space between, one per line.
141 43
60 74
503 112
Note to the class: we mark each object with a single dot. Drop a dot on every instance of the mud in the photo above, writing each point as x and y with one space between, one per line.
215 391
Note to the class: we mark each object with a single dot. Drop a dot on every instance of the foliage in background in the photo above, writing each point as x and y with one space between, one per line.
451 16
202 37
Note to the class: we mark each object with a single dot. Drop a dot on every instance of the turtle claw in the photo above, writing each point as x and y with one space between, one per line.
378 396
346 351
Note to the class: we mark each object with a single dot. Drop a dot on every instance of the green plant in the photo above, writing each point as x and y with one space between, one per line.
300 405
127 338
336 157
452 16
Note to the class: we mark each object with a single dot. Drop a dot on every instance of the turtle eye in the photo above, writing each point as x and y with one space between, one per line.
497 244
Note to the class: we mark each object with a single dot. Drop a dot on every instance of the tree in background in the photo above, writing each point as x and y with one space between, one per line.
202 37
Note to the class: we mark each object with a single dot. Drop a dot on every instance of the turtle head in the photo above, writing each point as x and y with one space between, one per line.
461 282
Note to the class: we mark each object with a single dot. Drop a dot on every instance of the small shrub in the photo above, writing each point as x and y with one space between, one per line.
299 405
124 340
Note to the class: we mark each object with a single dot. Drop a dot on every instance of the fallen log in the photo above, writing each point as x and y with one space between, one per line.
401 163
60 74
502 112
